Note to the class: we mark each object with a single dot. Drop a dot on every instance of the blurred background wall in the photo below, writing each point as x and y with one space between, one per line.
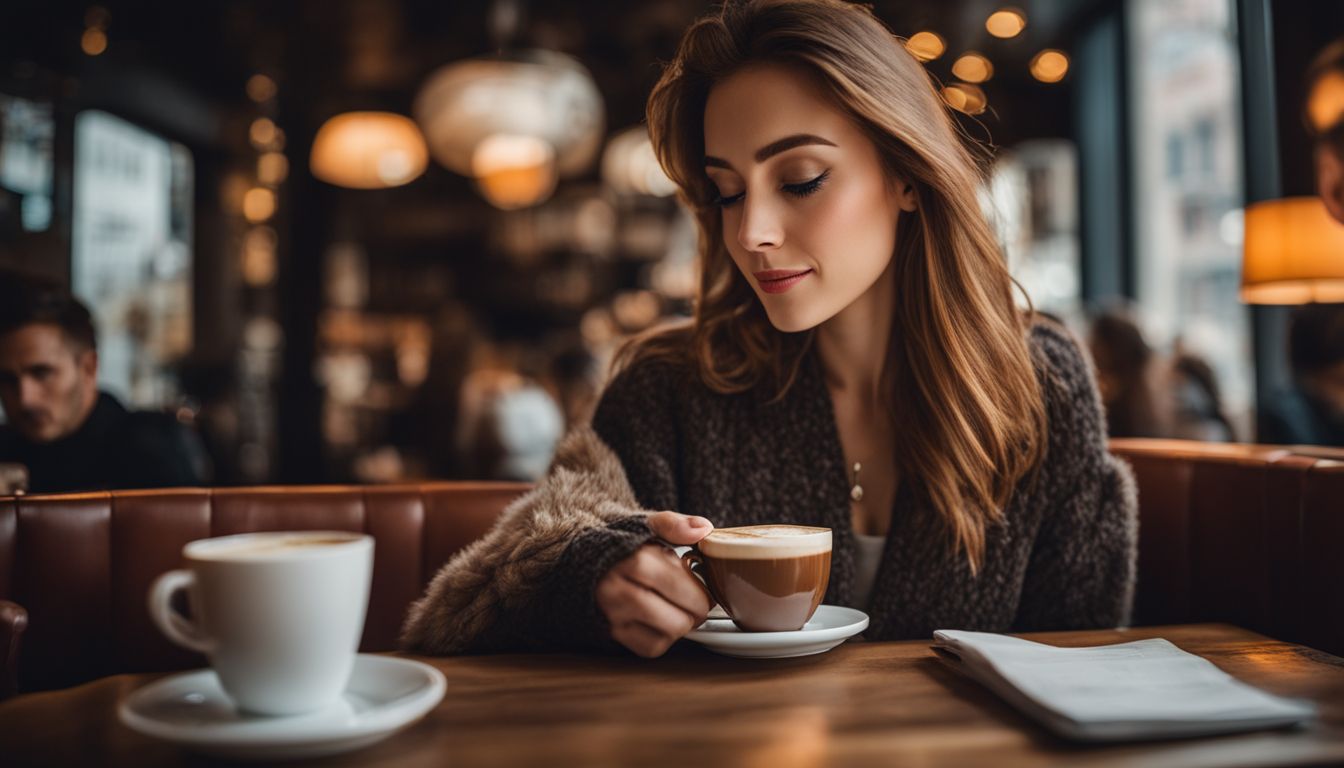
369 240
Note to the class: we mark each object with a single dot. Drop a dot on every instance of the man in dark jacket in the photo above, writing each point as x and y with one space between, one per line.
68 435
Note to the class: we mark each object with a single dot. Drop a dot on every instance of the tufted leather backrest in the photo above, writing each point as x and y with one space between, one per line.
81 564
1237 533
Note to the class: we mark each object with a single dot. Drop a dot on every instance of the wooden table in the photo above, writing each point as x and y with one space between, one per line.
861 704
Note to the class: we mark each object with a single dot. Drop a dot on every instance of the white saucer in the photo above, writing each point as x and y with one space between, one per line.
385 694
830 626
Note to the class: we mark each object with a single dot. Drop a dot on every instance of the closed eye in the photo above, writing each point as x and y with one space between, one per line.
802 189
807 187
725 201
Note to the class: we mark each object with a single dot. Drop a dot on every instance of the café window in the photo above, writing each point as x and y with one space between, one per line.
1033 194
131 253
1187 149
26 130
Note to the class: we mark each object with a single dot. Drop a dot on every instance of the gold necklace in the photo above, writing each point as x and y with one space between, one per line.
856 490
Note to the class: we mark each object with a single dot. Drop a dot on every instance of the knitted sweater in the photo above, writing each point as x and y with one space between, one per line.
1062 558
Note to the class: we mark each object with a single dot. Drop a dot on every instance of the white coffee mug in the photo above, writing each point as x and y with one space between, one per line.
278 614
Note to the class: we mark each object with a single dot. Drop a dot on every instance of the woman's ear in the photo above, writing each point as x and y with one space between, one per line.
905 196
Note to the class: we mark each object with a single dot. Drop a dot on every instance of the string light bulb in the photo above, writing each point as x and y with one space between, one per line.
1050 66
972 67
925 46
1006 22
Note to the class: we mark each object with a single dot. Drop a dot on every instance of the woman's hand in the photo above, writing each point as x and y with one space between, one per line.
649 598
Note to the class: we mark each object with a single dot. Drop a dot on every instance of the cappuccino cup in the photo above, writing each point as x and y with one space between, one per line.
768 578
279 615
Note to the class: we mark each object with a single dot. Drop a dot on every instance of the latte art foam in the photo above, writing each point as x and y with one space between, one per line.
766 542
261 546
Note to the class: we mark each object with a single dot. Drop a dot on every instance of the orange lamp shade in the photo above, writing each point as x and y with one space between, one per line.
1294 253
368 150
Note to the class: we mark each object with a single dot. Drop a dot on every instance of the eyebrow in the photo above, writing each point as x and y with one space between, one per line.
773 148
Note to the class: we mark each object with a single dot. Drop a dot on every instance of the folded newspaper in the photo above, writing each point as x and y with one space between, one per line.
1147 689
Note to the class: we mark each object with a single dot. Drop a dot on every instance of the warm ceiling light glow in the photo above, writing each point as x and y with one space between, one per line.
973 68
1050 66
514 171
272 169
368 150
258 204
259 262
636 310
260 88
262 132
232 189
543 94
1325 105
597 326
629 165
1006 22
925 46
966 98
1292 253
94 41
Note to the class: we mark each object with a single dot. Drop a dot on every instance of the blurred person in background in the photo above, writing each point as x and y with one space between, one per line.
1197 408
1325 122
509 426
1311 412
68 434
1127 377
1148 394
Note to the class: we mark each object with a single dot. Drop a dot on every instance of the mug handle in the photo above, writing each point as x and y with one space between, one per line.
170 622
692 559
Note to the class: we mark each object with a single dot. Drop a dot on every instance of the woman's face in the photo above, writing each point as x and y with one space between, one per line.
809 214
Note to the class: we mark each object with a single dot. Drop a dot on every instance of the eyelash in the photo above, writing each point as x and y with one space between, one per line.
797 190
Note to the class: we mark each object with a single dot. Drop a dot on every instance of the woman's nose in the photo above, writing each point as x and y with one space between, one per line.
761 227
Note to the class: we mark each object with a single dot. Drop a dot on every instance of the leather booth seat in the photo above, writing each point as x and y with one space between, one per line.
1235 533
81 565
1245 534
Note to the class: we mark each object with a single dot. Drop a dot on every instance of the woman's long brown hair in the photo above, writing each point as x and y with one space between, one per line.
963 395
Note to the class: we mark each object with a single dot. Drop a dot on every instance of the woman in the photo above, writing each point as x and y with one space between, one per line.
855 361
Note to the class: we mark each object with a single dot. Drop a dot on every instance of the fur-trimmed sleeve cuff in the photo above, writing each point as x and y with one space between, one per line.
529 583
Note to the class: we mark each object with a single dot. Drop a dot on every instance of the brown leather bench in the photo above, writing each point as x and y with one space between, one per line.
1242 534
80 565
1245 534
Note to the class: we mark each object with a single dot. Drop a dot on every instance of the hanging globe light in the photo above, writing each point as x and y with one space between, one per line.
629 165
542 94
514 171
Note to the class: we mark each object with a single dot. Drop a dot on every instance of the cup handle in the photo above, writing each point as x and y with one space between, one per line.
692 559
170 622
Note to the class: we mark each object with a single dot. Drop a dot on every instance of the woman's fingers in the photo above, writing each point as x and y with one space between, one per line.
659 569
650 601
635 603
679 529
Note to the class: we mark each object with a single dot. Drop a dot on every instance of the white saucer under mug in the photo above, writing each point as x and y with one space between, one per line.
384 695
830 626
